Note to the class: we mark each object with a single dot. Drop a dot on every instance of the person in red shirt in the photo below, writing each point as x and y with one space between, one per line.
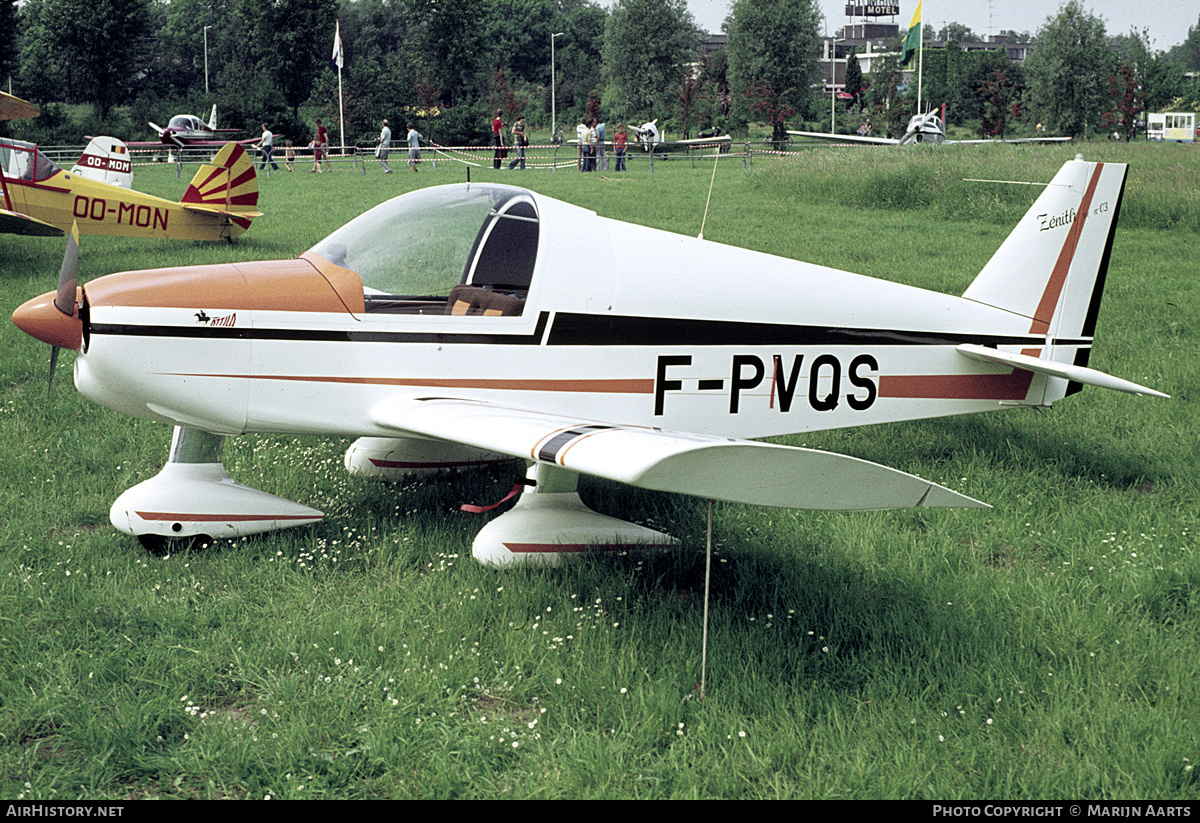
620 139
497 139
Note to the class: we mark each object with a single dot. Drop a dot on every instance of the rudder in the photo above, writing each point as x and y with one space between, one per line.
228 183
1051 268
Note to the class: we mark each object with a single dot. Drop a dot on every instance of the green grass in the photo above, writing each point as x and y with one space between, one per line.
1047 648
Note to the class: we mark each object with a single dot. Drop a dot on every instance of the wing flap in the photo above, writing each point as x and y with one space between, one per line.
845 138
740 471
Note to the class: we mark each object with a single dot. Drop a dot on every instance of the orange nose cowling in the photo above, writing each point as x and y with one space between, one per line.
40 318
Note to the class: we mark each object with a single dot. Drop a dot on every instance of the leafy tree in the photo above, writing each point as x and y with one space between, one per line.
1187 53
450 38
772 107
1000 96
374 30
9 52
689 94
287 41
503 98
1068 72
580 56
84 51
646 44
989 97
957 32
888 107
1128 102
774 44
1013 36
854 78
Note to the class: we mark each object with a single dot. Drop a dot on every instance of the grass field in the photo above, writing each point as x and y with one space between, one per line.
1046 648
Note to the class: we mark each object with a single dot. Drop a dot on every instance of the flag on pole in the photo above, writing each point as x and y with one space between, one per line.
337 46
912 40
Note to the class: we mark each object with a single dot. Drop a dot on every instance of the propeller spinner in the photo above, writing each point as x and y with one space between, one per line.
57 317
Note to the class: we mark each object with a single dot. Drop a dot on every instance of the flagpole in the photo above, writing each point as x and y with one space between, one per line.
920 67
339 60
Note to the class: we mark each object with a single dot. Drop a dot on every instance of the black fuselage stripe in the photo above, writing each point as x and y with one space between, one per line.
604 330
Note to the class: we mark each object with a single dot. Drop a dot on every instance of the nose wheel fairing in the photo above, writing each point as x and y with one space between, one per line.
195 496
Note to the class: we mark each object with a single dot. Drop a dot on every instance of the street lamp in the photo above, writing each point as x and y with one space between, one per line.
553 107
832 83
206 28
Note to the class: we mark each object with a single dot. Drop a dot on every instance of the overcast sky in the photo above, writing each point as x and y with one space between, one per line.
1167 20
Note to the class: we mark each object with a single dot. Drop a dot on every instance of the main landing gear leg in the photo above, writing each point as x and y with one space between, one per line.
194 499
550 521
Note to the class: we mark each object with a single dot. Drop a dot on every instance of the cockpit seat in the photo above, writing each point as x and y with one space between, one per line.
473 300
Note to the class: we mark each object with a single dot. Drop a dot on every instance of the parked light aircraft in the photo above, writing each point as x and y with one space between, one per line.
39 198
458 324
922 128
189 130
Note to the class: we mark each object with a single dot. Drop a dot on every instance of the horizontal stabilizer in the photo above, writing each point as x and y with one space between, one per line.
1067 371
740 471
197 207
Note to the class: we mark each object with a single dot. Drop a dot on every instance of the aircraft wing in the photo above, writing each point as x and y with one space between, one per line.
845 138
12 222
187 144
1014 142
703 141
14 108
740 471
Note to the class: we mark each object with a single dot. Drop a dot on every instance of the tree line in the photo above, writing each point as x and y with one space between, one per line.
448 64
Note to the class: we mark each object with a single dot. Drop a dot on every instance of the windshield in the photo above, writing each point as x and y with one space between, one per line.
23 161
412 252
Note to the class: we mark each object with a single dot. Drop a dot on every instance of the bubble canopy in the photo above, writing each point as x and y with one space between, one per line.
418 247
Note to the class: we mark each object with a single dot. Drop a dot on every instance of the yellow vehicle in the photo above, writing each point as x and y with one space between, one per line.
39 198
1179 126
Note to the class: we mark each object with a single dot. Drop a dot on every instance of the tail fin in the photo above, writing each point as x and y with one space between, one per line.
106 159
1051 269
228 184
212 118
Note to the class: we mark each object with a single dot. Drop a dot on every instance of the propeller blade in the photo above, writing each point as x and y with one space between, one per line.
53 361
68 275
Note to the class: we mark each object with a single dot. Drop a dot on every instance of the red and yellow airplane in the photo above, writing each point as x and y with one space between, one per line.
458 324
39 198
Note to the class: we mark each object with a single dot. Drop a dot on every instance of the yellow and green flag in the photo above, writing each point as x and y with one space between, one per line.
912 40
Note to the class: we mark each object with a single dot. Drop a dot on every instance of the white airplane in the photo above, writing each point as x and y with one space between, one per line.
460 324
647 135
189 130
922 128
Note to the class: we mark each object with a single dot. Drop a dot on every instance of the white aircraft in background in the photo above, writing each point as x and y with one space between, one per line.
189 130
922 128
460 324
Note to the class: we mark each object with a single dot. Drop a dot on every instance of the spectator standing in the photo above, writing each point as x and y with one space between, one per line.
520 141
581 132
620 140
497 139
318 145
266 145
385 143
414 147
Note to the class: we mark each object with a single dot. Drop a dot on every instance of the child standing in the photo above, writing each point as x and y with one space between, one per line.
620 139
